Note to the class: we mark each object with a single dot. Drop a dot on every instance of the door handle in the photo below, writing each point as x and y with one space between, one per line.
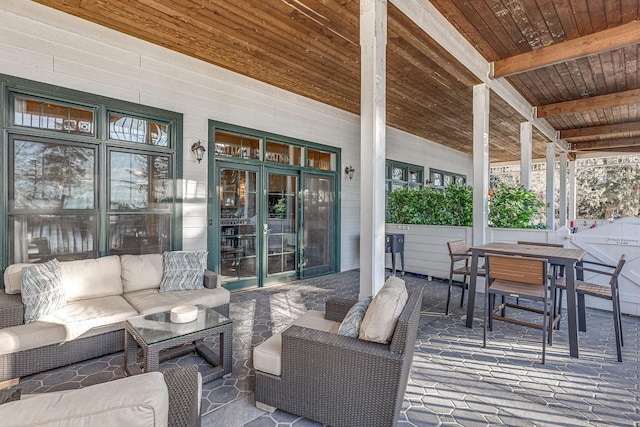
265 228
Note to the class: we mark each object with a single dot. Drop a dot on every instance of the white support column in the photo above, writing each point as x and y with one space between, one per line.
526 137
481 95
551 163
373 40
563 189
572 190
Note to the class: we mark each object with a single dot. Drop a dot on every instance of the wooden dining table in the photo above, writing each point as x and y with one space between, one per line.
556 256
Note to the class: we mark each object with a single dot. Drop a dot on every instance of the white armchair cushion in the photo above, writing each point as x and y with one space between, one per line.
381 317
141 400
267 356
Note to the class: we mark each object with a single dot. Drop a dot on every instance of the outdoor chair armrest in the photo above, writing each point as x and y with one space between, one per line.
212 280
599 264
185 388
11 310
581 267
336 308
305 349
596 271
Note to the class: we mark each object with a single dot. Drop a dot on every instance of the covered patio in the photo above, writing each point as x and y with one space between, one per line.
444 86
454 381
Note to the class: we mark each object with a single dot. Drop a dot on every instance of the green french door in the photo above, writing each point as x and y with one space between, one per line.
258 225
318 248
280 227
237 255
273 224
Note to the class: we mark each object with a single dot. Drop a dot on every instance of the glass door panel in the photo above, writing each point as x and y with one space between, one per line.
238 214
281 226
318 238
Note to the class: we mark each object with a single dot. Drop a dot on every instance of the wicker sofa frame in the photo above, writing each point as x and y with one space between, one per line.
343 381
39 359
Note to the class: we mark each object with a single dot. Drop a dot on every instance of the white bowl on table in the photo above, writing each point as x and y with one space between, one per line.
184 313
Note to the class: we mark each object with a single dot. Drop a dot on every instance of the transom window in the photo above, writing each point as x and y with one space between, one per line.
248 147
136 129
54 116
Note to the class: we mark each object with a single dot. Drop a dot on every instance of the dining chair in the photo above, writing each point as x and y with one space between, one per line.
524 278
459 253
608 292
555 271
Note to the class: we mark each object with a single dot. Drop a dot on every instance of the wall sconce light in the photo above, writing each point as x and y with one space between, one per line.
198 150
428 182
349 170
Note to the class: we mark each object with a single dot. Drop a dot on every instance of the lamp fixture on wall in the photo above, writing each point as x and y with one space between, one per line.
349 170
198 150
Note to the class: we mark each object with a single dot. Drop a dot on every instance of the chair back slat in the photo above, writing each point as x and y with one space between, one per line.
517 269
458 247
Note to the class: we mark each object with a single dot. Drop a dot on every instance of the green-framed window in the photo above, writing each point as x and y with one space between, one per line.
442 179
85 175
400 175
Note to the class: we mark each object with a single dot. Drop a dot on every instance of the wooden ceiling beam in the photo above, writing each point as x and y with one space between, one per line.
602 41
605 144
632 149
600 130
592 103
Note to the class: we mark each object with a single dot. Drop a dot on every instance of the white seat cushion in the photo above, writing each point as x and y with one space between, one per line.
79 318
149 301
267 356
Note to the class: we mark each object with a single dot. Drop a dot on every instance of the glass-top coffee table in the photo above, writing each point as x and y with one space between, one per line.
161 339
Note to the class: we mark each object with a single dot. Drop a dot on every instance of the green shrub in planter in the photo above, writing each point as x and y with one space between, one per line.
453 206
509 206
512 206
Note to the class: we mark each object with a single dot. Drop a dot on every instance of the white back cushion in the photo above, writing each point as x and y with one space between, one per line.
141 272
91 278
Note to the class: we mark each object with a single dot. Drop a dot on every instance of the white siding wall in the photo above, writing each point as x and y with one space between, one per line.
45 45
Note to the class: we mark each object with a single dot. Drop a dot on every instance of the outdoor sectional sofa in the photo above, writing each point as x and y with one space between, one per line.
100 295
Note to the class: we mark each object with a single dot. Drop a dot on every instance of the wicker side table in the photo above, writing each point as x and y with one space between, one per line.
160 339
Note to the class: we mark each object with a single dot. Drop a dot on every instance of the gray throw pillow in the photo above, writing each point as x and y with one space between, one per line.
9 395
350 326
42 290
183 270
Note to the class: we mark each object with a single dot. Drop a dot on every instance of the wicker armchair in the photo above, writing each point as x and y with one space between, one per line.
343 381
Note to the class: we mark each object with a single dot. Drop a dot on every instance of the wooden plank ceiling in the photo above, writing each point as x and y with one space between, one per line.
311 47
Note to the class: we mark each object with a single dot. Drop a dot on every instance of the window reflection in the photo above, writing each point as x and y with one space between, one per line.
39 238
53 176
138 181
139 234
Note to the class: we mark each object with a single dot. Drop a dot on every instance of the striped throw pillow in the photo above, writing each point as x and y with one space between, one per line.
42 290
183 270
350 326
